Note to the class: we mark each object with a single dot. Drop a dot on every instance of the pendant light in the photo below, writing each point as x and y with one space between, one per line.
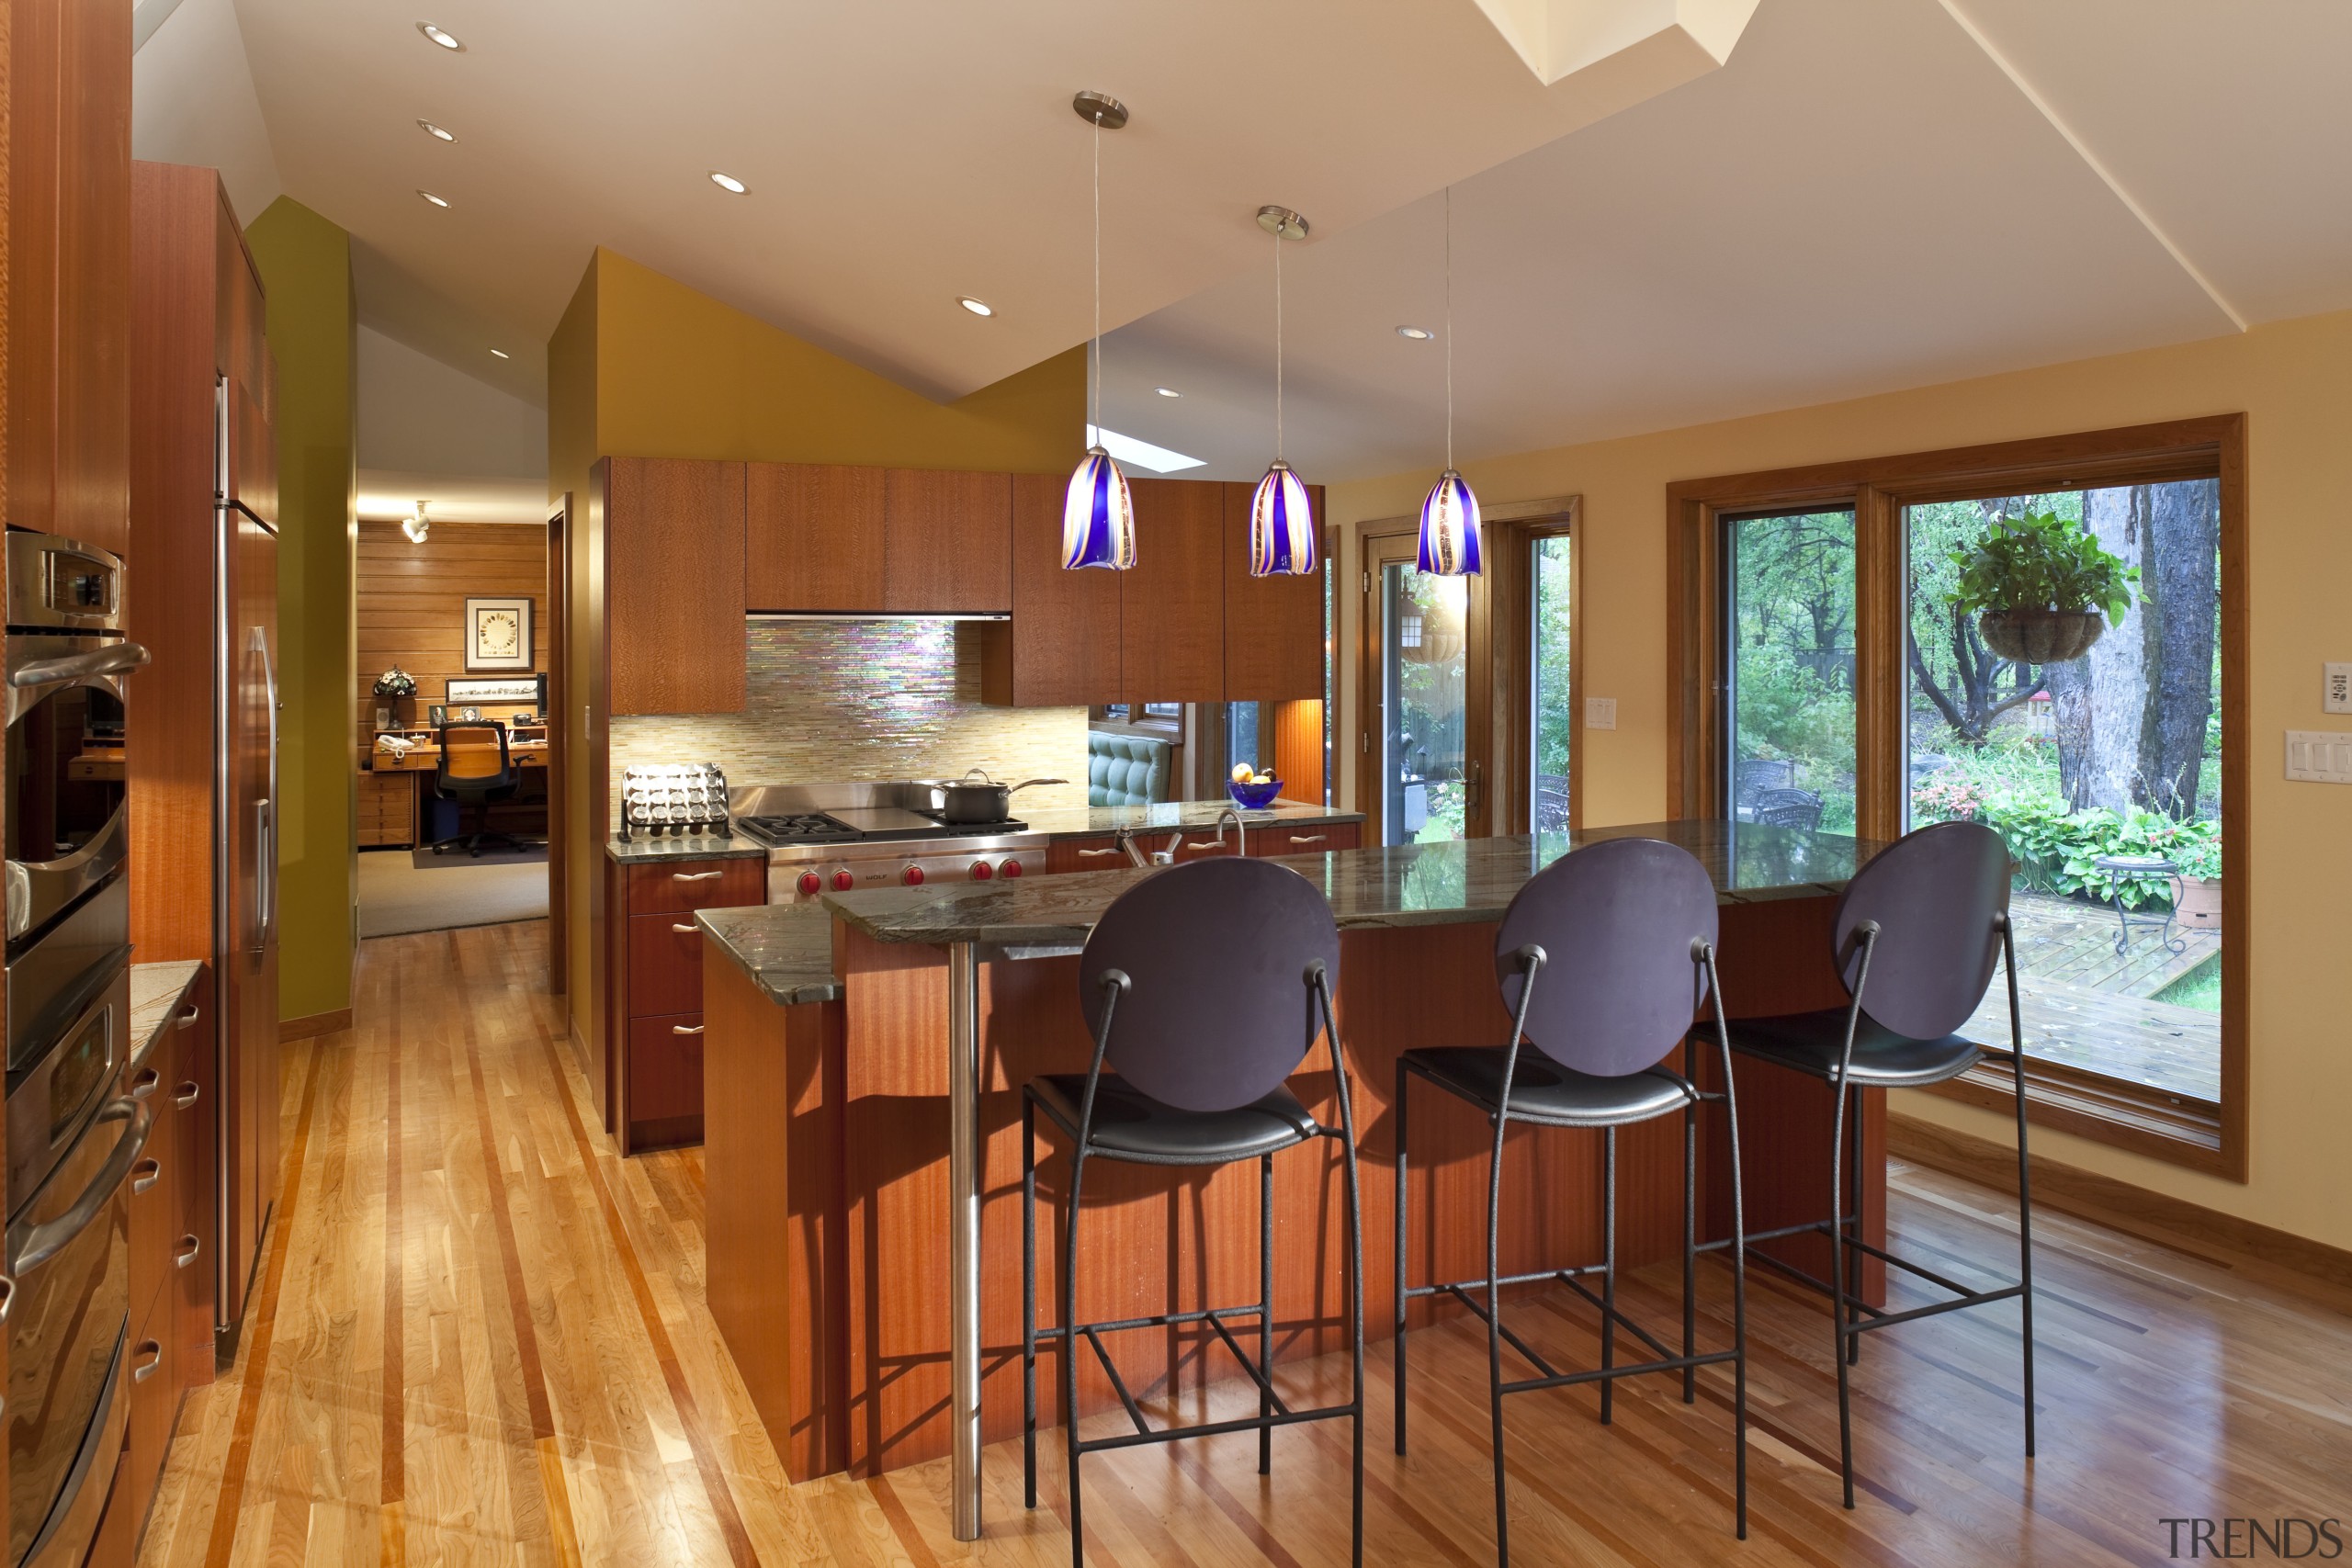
1099 515
1450 528
1281 524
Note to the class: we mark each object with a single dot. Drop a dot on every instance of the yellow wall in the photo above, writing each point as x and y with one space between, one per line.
305 264
643 366
2293 380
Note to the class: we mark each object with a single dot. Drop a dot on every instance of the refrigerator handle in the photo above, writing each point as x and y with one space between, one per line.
266 812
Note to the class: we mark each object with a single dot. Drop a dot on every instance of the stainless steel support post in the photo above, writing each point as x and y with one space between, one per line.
964 1231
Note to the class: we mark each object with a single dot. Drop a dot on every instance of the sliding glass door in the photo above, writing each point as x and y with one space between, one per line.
1551 719
1789 627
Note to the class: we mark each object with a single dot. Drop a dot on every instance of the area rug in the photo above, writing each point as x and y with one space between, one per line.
395 896
425 860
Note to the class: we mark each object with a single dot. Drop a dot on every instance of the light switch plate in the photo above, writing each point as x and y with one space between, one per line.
1600 713
2338 696
2320 756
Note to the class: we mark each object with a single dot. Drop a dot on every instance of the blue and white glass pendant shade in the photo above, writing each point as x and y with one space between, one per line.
1450 528
1281 527
1099 516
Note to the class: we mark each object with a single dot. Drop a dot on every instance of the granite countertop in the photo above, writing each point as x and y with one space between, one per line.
786 949
695 846
156 990
1406 885
1171 816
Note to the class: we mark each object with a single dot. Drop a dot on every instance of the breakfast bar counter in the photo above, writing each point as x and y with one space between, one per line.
857 1187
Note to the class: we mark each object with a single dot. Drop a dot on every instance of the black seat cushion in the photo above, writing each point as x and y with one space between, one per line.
1811 1042
1543 1090
1129 1124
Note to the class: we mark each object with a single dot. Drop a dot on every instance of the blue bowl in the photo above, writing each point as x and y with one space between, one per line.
1254 796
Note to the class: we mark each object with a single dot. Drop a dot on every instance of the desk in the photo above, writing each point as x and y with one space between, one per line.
392 791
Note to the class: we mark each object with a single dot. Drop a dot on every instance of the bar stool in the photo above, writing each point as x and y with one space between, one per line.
1622 935
1217 977
1914 941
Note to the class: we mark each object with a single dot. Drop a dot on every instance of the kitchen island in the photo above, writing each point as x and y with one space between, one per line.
875 1133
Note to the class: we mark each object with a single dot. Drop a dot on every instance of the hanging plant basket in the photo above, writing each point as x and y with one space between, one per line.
2041 637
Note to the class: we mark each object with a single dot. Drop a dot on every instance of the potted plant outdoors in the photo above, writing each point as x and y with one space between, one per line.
2038 585
2199 860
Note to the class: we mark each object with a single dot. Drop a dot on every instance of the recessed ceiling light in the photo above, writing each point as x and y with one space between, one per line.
435 201
502 354
977 307
1418 334
1168 391
727 182
435 131
446 39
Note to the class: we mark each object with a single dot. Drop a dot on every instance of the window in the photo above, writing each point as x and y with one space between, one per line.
1249 736
1815 647
1551 722
1424 673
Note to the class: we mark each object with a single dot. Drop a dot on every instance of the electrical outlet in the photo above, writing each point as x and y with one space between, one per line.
2320 756
1600 713
2337 692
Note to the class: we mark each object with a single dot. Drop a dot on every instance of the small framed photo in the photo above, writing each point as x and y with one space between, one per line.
437 716
498 633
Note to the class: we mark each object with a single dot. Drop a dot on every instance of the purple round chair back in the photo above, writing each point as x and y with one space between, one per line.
1935 895
1219 1012
1615 920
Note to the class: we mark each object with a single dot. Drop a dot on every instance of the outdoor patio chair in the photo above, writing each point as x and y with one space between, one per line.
1788 808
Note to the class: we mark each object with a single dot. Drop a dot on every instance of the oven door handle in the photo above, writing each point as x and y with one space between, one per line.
42 1242
112 659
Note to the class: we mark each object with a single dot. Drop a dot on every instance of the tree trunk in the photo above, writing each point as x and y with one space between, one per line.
2116 666
2181 578
2070 716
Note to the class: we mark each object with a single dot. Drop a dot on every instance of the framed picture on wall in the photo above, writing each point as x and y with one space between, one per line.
460 690
498 633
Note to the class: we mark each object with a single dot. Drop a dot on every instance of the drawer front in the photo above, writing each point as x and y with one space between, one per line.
665 965
189 1265
154 1387
664 1067
1084 854
1200 843
155 1188
687 885
1312 839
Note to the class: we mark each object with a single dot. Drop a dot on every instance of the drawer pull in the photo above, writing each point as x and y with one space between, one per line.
1097 854
7 1296
684 1029
189 1015
185 1254
146 1083
1308 838
154 1352
146 1174
695 876
188 1095
1203 844
687 929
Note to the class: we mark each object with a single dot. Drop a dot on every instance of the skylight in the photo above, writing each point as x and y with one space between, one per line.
1142 454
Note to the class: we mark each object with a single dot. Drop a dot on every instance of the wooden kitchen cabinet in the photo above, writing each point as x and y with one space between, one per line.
192 1091
1274 626
946 542
673 585
1061 647
655 1095
1172 602
813 536
1304 839
1100 853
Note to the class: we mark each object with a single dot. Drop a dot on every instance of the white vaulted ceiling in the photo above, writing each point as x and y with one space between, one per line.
1868 194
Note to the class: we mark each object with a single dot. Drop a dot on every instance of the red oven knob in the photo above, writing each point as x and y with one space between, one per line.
810 884
911 877
1009 868
982 871
843 882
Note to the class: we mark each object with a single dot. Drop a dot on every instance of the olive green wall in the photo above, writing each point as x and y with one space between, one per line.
305 264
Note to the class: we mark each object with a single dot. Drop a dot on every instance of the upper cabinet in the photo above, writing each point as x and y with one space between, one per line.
673 585
1274 626
946 542
813 536
1061 647
1171 609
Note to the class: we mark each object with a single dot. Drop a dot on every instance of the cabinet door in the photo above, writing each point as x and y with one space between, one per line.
673 585
1088 854
94 268
154 1407
665 965
948 542
813 536
665 1078
1274 626
1061 648
1172 603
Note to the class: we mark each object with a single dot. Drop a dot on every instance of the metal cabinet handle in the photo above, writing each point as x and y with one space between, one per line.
188 1016
146 1174
681 1029
1308 838
7 1296
153 1351
1097 854
695 876
688 930
145 1082
188 1094
185 1254
1203 844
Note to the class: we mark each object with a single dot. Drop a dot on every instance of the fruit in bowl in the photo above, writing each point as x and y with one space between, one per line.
1252 790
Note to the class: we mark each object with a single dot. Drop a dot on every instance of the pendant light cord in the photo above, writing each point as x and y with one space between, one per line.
1278 340
1449 327
1097 378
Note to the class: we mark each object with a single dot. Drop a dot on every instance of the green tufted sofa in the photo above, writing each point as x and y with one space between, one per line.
1126 770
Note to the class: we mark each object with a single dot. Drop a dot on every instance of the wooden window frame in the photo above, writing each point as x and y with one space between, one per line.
2212 1139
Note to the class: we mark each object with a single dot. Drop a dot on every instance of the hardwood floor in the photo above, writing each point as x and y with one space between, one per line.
481 1337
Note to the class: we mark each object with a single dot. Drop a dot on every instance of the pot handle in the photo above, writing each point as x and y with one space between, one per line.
1024 783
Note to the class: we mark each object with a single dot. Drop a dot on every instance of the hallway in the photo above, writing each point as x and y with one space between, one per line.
481 1338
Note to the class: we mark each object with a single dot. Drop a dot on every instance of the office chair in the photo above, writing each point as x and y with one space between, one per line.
466 774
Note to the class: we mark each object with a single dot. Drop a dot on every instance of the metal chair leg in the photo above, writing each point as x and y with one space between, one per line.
1398 1344
1690 1248
2024 1249
1854 1215
1029 1302
1266 1313
1495 1345
1609 1275
1069 1360
1838 1298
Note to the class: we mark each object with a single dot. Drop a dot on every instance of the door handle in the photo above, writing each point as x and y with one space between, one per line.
112 659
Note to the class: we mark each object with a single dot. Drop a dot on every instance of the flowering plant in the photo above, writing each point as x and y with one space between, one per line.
1945 800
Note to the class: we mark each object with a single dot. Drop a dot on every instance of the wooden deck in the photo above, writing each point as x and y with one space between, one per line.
2072 943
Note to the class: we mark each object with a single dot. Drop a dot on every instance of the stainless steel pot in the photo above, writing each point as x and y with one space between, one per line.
963 800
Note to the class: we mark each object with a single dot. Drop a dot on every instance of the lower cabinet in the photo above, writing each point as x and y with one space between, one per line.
117 1542
657 991
1101 852
1307 838
155 1392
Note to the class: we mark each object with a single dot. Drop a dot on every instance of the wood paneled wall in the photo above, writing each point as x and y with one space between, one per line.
411 601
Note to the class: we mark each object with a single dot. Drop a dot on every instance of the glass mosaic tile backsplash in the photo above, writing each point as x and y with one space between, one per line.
832 701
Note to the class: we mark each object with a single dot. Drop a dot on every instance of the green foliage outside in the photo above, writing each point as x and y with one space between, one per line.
2038 561
1794 694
